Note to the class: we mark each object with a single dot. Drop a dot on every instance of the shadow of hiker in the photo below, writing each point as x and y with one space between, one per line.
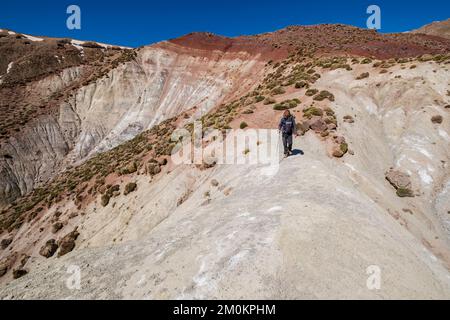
297 152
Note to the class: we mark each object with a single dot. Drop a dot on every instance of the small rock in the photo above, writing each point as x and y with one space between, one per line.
49 249
67 244
398 179
56 227
24 260
214 183
349 119
3 268
339 140
332 126
405 193
74 215
19 273
105 200
5 243
437 119
363 76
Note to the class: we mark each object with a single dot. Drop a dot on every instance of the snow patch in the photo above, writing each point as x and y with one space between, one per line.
275 209
35 39
10 65
77 44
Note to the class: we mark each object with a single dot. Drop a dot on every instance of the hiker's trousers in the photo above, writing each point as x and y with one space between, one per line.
287 143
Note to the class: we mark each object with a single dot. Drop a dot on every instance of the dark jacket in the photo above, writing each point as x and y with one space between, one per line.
287 125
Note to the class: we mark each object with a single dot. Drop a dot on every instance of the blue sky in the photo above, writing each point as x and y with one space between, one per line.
140 22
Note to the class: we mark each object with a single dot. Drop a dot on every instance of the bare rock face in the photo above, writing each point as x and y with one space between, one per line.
49 249
67 244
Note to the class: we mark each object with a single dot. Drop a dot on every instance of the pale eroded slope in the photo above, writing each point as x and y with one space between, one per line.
310 231
163 81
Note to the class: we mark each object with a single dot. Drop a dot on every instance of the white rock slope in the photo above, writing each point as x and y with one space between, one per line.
310 231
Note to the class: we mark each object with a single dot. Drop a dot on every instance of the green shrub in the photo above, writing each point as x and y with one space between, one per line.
311 92
285 105
324 95
243 125
269 101
301 84
312 111
259 98
278 90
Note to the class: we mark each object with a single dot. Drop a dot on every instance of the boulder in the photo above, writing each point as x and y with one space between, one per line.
104 201
3 268
19 273
154 169
67 243
319 126
437 119
214 183
398 179
401 182
49 248
339 150
129 188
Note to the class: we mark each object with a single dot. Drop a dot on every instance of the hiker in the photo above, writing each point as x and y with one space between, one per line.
287 128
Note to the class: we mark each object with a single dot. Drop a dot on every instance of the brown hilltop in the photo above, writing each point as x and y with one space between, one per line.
320 39
438 29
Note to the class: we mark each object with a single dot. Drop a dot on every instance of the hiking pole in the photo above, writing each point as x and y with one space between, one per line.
278 144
